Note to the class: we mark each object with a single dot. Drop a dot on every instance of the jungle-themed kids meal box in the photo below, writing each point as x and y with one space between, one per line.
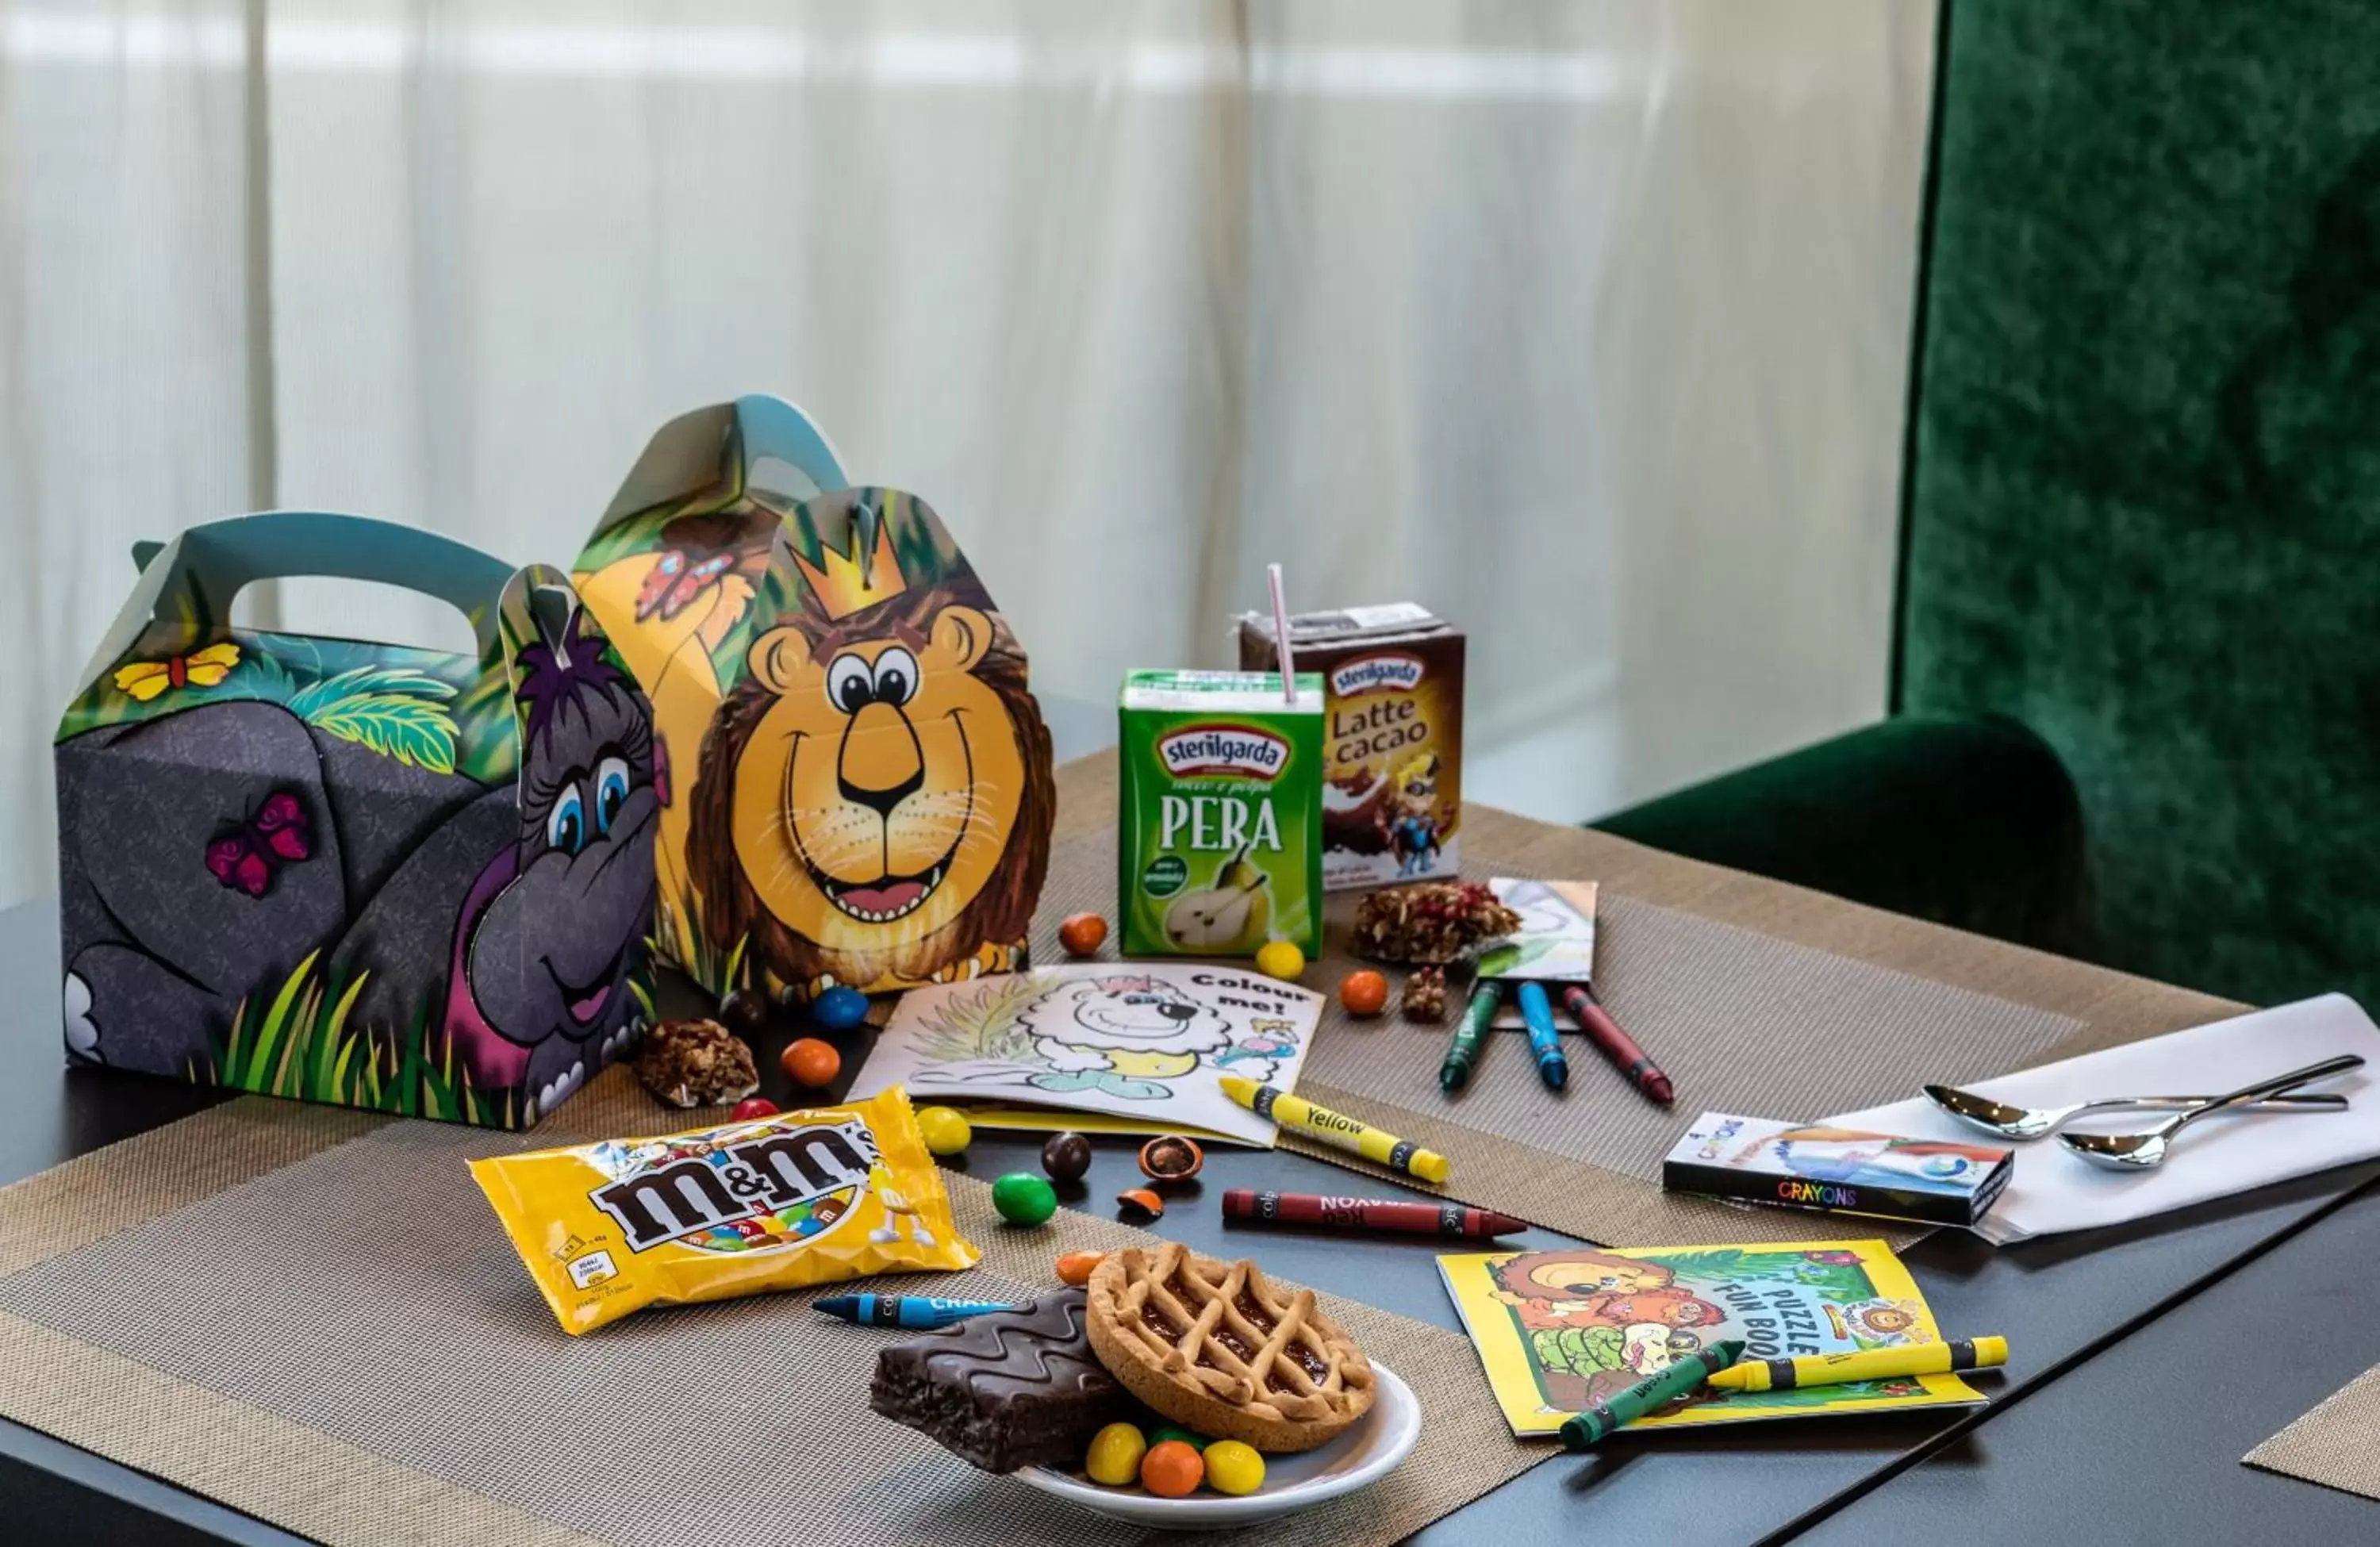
1393 736
363 875
857 781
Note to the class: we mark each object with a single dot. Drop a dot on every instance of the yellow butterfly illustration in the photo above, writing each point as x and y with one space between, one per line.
201 668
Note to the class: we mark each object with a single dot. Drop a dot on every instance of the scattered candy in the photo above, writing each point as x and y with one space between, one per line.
696 1063
1171 1469
1281 958
1148 1203
753 1106
1364 992
1021 1198
810 1062
744 1014
1066 1156
1175 1432
1076 1267
1082 934
1115 1455
840 1008
947 1131
1171 1158
1233 1468
1425 996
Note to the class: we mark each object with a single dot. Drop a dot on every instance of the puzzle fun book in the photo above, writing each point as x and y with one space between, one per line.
1562 1330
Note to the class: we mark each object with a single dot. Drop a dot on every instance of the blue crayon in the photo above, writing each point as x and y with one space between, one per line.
916 1313
1544 1038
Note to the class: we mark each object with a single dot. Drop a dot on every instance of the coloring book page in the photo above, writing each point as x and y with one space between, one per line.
1141 1041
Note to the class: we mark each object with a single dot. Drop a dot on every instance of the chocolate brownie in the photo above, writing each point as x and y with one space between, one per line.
1010 1389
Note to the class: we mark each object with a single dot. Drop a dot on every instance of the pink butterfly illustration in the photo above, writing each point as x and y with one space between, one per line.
251 854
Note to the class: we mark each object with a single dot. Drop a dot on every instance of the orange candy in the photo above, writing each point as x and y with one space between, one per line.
810 1062
1171 1469
1363 994
1083 933
1076 1267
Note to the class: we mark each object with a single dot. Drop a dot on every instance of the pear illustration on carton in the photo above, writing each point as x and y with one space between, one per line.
1220 811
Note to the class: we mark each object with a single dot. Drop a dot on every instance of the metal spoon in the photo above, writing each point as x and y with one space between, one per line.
2021 1123
2146 1148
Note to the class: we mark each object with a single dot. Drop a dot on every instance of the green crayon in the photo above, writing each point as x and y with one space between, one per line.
1581 1430
1463 1051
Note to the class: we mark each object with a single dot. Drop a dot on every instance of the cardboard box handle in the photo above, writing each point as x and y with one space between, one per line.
219 559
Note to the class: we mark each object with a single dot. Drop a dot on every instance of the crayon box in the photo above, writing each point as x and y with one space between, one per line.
1800 1165
1392 741
1219 811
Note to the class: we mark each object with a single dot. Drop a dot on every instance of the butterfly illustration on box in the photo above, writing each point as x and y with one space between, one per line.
201 668
252 853
675 581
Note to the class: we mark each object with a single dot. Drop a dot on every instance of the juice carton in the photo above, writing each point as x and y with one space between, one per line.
1220 808
1392 795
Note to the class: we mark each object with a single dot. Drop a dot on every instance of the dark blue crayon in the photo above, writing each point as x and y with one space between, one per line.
916 1313
1544 1038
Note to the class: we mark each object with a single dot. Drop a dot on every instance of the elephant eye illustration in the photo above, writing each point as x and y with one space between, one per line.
566 826
611 792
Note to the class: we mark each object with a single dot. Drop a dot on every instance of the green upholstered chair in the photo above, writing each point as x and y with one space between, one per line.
2135 711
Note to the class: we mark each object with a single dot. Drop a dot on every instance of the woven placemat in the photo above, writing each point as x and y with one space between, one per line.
326 1328
1742 1021
2337 1444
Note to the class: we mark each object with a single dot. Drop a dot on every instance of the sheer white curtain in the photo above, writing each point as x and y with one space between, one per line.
1584 324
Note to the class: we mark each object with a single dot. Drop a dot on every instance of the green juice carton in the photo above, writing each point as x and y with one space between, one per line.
1219 847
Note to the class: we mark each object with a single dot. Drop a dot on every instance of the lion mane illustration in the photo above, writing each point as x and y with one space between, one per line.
874 797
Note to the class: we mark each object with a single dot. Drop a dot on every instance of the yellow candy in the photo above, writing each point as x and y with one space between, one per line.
1281 958
946 1131
1115 1456
1233 1468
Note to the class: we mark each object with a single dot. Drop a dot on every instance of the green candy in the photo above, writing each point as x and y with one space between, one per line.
1158 1436
1023 1198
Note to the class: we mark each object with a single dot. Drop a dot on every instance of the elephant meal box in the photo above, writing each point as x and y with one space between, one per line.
858 786
363 875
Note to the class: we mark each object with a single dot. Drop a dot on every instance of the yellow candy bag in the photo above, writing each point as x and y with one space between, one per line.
801 1198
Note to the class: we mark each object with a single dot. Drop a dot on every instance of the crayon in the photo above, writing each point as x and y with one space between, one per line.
1873 1364
1581 1430
917 1312
1545 1039
1403 1216
1616 1044
1332 1128
1463 1051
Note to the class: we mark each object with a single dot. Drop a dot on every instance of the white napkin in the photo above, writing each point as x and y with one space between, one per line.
2229 1152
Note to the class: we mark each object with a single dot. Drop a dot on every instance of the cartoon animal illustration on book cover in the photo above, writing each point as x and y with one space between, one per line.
1562 1330
364 874
860 784
1144 1041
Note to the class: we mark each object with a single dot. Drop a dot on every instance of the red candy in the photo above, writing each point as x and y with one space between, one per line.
751 1107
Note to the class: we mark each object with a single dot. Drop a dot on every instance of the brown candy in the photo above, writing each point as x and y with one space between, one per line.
696 1063
1171 1158
1425 996
1432 923
1065 1156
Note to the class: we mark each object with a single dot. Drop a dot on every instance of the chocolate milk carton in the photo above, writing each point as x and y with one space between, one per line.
1392 737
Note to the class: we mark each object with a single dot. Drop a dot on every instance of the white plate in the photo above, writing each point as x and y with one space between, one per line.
1368 1451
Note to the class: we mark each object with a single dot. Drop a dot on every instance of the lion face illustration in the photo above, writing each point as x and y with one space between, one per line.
1124 1014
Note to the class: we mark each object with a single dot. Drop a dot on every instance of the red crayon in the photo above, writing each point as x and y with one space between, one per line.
1399 1214
1616 1044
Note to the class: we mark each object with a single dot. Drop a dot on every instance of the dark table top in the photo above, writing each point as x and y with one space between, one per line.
2084 1315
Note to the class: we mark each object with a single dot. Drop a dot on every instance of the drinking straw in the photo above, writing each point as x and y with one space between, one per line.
1281 634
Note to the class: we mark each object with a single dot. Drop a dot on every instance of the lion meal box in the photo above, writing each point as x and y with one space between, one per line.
858 787
363 875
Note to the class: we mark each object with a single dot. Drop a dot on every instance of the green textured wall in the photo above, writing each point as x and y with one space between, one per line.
2143 511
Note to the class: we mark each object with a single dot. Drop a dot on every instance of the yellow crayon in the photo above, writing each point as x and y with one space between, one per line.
1336 1129
1874 1364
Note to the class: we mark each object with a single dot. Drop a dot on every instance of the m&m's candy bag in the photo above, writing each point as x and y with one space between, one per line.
774 1202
